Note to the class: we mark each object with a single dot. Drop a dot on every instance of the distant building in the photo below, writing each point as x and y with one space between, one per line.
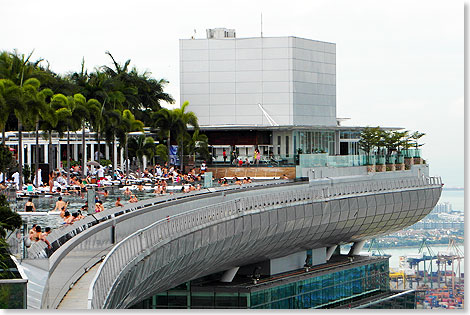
445 207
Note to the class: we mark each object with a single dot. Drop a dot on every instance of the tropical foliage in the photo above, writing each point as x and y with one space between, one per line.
113 100
383 142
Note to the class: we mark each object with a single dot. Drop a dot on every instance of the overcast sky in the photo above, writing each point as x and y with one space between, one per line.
399 63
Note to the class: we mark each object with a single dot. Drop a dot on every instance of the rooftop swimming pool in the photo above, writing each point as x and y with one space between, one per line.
47 203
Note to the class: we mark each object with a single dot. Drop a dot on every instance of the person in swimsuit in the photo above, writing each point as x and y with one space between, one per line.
68 219
32 232
51 181
29 206
80 215
60 204
133 198
39 236
118 202
47 231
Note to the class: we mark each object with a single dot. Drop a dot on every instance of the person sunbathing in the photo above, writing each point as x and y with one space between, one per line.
99 206
133 199
68 219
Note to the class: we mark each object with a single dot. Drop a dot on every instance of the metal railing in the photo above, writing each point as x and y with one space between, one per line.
62 235
120 258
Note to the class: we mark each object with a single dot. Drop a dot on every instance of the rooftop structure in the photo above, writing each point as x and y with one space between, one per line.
259 81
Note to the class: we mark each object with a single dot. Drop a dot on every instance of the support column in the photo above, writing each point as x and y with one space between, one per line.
92 151
229 275
337 146
115 154
330 251
22 155
85 153
121 156
106 151
356 248
75 152
46 153
58 155
144 160
28 148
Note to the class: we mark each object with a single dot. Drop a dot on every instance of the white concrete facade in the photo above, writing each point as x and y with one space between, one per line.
294 80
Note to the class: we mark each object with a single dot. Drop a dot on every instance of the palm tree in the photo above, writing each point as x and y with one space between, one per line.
141 146
197 143
142 92
165 121
73 111
36 105
161 151
10 95
56 110
128 124
18 68
186 119
370 138
88 109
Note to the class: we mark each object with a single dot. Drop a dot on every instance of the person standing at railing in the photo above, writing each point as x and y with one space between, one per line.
257 156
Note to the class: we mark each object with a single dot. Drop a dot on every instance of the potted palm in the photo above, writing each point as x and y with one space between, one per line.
381 145
368 141
417 154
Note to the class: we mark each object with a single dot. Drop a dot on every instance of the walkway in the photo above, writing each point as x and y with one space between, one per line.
77 297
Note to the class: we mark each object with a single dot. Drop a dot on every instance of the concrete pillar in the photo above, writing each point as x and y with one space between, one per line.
121 155
28 149
115 153
75 152
337 150
106 151
356 248
58 155
229 275
92 151
144 162
46 153
330 251
85 157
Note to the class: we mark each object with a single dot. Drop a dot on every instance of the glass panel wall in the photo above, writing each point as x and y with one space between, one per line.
315 141
325 290
321 291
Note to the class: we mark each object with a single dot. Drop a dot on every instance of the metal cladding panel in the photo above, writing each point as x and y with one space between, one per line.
317 209
275 232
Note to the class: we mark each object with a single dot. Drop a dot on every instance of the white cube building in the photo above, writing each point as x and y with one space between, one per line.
224 78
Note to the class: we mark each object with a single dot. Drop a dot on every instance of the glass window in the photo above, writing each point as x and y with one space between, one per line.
226 300
162 300
177 300
202 300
